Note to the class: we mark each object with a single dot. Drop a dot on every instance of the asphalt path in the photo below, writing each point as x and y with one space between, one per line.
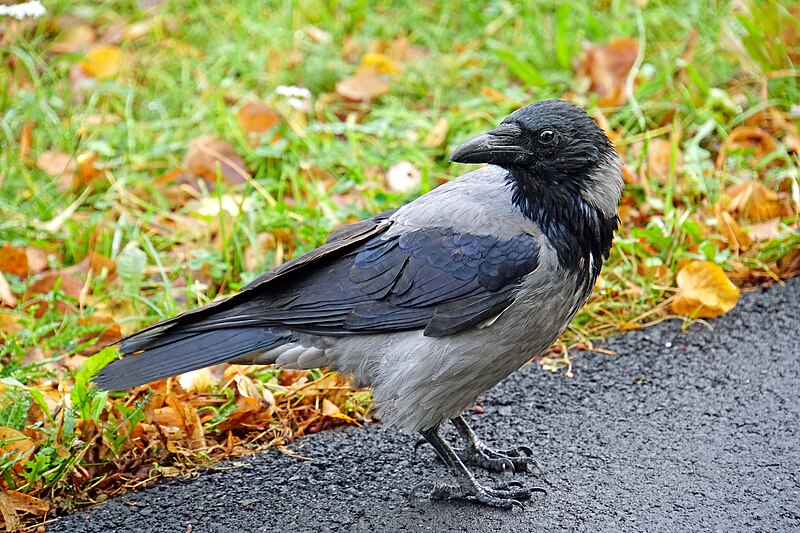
680 431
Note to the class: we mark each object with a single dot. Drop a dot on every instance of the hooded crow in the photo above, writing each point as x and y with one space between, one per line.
432 303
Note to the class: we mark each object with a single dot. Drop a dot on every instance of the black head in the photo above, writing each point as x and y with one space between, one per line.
555 145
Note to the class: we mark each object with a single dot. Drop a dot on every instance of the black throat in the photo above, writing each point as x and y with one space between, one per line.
579 232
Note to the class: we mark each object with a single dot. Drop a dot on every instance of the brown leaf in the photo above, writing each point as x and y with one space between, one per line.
103 61
107 337
731 230
366 85
8 513
746 138
26 503
87 170
196 380
13 260
257 118
752 200
659 155
704 291
207 153
607 68
45 283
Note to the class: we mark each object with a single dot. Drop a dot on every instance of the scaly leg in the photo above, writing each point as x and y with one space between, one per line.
477 453
467 487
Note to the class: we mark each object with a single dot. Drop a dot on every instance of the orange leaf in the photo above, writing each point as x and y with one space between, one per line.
45 283
7 297
659 156
13 260
730 229
257 118
25 140
752 200
103 61
704 291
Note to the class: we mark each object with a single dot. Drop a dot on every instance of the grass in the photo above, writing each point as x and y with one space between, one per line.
191 67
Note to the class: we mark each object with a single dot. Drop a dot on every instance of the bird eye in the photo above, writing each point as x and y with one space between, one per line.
547 137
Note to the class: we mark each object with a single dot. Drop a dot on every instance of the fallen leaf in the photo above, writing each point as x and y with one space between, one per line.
8 513
87 170
57 164
75 39
25 140
607 68
111 334
196 380
103 61
746 138
9 322
13 260
659 156
27 504
207 154
752 200
403 177
365 85
381 64
438 134
7 297
257 118
764 231
704 291
329 408
70 285
37 259
730 229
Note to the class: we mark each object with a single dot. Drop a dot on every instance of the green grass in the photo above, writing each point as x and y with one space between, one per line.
200 61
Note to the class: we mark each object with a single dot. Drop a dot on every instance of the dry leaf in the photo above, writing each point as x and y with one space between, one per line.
329 408
257 118
103 61
26 503
704 291
196 380
25 140
207 153
367 84
752 200
438 134
70 285
764 231
13 260
403 177
57 164
9 322
746 138
731 230
607 68
37 259
7 297
659 155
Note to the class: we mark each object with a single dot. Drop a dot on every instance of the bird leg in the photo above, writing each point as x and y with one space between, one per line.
479 454
467 487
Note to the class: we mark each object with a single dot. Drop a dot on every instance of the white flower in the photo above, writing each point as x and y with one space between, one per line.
22 11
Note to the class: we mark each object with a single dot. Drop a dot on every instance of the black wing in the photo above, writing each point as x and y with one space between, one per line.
434 278
363 281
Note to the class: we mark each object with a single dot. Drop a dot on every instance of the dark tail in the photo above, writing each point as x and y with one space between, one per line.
163 351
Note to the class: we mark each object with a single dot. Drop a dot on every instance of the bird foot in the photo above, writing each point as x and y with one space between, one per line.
517 459
505 495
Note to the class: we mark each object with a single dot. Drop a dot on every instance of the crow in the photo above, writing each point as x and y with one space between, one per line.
432 303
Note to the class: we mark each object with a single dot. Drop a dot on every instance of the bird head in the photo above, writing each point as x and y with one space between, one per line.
552 145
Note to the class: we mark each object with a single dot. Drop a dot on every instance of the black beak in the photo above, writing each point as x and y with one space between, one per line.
498 146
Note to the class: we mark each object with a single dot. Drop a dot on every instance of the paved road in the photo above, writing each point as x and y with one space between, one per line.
679 431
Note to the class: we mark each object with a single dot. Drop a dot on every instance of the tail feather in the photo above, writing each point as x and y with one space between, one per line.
166 353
